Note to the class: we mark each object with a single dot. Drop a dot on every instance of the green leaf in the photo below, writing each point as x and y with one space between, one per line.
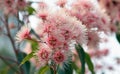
24 60
51 71
26 66
43 70
118 37
34 45
28 57
81 54
89 63
66 68
30 10
76 68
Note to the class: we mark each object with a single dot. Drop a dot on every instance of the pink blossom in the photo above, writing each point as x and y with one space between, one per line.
93 39
8 3
104 52
71 28
24 33
98 66
8 6
61 3
112 9
53 42
58 31
42 14
89 15
59 57
98 53
42 5
43 54
83 4
65 46
21 4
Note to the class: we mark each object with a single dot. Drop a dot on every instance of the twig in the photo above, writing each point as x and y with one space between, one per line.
10 37
12 41
12 67
9 59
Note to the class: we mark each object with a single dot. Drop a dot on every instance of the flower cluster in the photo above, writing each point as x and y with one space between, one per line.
11 6
93 17
58 32
90 14
113 9
58 29
23 34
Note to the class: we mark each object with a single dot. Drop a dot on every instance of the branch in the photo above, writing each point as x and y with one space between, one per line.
12 67
10 37
9 59
12 41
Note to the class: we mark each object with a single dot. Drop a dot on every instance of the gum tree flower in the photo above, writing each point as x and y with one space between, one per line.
59 57
112 8
58 32
91 16
93 39
8 3
21 4
54 42
61 3
43 54
23 34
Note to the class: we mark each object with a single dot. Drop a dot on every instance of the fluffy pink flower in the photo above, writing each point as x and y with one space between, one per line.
59 32
104 52
42 14
79 32
43 54
112 8
24 33
71 28
93 39
9 6
43 11
59 57
91 16
8 3
21 4
98 53
98 66
61 3
54 42
42 5
83 5
113 28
